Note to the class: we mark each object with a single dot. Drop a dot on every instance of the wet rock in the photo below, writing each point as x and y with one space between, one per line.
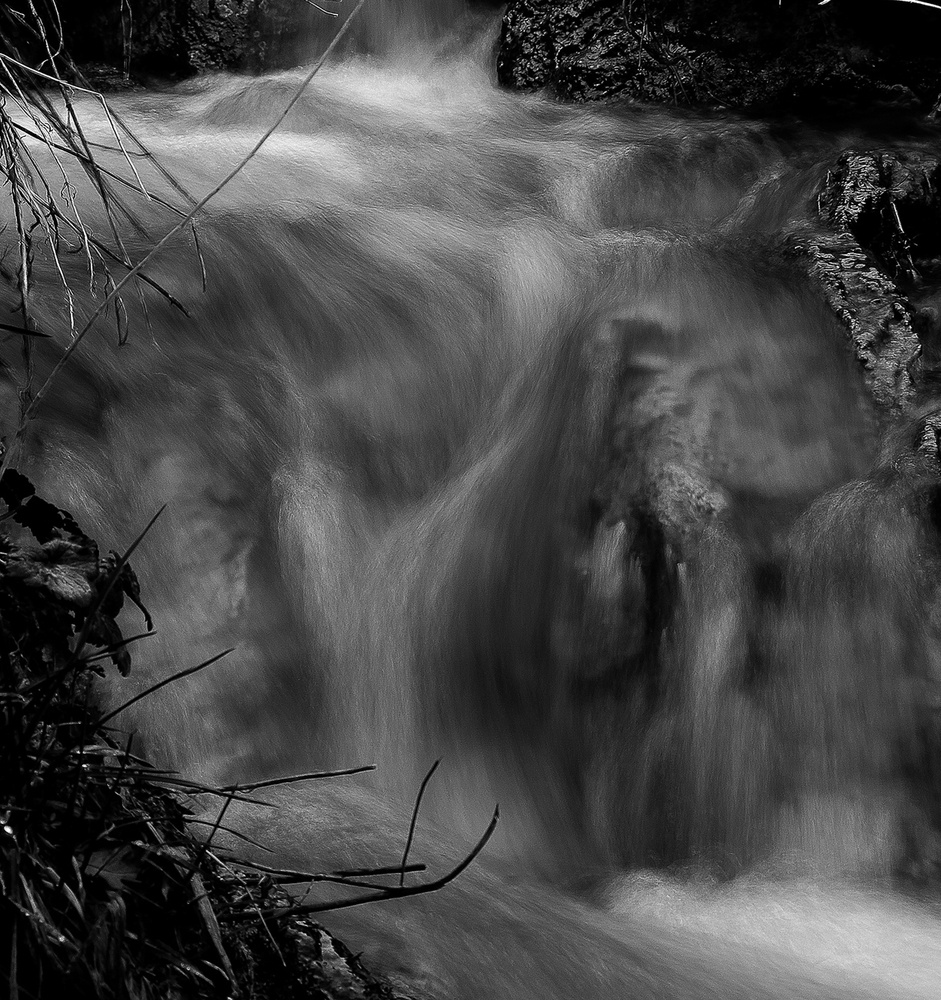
877 265
875 314
737 54
889 203
300 960
115 45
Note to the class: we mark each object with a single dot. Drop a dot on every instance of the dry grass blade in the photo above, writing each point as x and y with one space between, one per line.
217 823
172 679
107 302
294 778
234 833
106 651
28 186
39 115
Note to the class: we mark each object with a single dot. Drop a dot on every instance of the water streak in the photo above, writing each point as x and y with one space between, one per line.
453 343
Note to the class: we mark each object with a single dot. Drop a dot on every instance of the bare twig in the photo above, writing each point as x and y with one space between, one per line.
414 819
290 875
392 892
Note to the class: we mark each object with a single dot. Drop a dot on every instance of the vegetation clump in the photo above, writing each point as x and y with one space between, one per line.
95 853
110 889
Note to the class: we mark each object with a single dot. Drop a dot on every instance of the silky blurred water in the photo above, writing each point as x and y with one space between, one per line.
450 336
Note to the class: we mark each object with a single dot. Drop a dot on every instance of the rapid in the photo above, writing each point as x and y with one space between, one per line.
452 341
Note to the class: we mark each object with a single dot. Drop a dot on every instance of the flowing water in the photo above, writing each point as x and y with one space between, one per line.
452 343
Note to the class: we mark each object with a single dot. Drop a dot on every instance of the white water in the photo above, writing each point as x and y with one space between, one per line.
432 306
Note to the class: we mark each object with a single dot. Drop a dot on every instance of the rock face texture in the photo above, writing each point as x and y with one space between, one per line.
696 519
878 266
184 36
740 54
300 960
176 38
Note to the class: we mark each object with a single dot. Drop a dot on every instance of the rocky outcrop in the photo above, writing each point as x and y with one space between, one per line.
300 960
119 43
879 265
741 54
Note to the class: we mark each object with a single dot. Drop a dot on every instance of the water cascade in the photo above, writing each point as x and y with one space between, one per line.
453 340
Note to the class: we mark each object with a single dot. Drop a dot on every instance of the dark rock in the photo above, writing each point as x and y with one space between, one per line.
888 202
875 314
877 267
741 54
299 960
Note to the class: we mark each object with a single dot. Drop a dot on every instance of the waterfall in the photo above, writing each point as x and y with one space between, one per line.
505 433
